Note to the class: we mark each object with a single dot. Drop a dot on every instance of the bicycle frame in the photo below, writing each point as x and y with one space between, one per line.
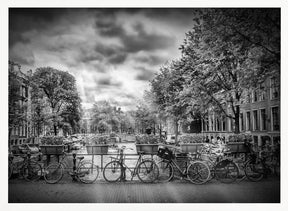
133 172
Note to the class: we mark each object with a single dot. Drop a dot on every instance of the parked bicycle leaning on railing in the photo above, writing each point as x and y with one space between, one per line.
221 165
27 167
85 171
195 171
146 169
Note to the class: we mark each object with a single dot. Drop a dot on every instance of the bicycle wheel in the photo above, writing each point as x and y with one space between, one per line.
166 171
87 172
210 164
254 171
53 173
31 171
226 171
198 172
112 171
147 171
241 169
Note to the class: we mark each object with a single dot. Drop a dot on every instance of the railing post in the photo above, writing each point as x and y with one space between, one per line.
74 162
74 167
101 162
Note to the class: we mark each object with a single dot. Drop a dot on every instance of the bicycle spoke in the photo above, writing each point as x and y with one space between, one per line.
147 171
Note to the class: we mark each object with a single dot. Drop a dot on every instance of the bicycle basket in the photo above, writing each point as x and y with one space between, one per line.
165 153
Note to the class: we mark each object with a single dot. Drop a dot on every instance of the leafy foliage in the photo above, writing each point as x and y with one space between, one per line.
56 100
227 53
148 139
191 138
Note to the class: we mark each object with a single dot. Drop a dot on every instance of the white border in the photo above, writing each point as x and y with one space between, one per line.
5 4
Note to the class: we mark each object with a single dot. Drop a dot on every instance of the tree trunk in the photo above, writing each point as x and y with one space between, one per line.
55 129
237 115
176 131
160 129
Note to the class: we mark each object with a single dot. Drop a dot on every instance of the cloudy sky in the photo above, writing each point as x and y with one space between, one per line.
113 53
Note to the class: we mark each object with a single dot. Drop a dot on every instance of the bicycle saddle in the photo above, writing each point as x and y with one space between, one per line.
80 158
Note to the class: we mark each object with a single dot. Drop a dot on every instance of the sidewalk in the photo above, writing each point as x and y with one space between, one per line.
266 191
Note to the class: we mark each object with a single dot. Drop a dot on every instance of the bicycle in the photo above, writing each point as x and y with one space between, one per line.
197 172
146 169
222 167
29 169
257 167
85 171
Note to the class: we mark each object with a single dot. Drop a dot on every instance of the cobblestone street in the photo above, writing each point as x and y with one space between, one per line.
266 191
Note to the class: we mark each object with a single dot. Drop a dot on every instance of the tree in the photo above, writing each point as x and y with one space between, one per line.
58 89
229 52
105 117
167 87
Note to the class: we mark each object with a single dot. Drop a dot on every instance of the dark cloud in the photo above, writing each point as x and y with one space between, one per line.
107 50
145 41
132 43
144 74
25 19
109 28
117 58
107 81
113 53
181 16
151 60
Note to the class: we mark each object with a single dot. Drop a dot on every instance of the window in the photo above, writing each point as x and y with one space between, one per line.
241 122
255 120
263 119
275 119
205 124
223 123
248 99
23 92
262 92
212 124
255 96
231 124
217 125
248 121
274 88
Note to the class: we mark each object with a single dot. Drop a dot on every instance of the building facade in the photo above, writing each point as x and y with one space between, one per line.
20 132
259 115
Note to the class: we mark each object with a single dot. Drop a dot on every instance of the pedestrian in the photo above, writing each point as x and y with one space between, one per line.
207 139
219 140
213 140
